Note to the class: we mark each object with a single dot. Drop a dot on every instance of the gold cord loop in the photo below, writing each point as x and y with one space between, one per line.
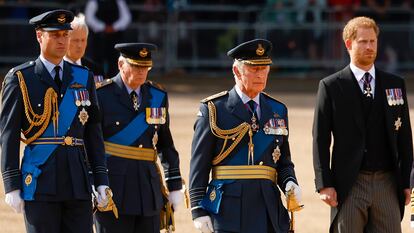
50 105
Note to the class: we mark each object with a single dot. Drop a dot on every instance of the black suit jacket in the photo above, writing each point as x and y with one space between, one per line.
64 175
136 183
339 113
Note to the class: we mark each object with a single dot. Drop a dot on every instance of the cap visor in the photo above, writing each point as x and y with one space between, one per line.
57 28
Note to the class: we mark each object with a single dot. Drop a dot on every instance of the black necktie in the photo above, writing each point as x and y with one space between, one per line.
134 99
367 86
57 77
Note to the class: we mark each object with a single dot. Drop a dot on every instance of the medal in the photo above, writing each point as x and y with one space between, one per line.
398 123
276 154
156 116
83 116
87 102
255 126
28 179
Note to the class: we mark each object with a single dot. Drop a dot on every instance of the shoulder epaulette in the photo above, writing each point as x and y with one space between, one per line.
21 67
271 97
215 96
103 83
156 85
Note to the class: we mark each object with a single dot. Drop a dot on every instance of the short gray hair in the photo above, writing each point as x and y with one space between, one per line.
79 22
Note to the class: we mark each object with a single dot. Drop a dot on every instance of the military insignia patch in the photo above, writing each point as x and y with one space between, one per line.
143 52
76 86
61 18
260 50
156 116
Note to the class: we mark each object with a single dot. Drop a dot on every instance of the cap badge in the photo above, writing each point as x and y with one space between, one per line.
61 18
260 50
143 52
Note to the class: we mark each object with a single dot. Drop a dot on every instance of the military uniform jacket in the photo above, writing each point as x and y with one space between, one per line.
339 112
246 205
64 175
135 183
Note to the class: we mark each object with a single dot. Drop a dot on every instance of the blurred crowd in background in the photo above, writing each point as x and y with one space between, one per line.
194 35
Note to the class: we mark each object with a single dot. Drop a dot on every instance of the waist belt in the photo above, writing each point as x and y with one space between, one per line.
245 172
65 141
129 152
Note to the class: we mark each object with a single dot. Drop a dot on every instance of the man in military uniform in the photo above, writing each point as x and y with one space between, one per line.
241 136
53 103
77 46
136 129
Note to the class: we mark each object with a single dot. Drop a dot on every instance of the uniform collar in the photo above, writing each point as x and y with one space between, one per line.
245 98
138 90
359 73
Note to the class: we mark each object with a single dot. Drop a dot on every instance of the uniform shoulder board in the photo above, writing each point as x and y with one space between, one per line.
156 85
21 67
103 83
272 98
215 96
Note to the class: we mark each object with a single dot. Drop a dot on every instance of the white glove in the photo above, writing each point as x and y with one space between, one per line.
296 190
204 224
102 198
176 198
14 200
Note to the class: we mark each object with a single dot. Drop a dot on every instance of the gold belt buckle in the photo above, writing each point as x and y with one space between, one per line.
68 141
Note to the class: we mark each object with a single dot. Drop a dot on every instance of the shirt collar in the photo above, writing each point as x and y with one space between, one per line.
245 98
131 90
359 73
50 66
78 62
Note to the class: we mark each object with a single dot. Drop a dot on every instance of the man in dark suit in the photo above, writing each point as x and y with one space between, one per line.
77 45
366 177
54 104
241 136
136 122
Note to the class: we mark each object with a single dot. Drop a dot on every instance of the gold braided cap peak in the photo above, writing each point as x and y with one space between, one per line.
103 83
215 96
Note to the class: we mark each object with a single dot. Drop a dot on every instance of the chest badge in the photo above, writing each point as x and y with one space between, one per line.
83 116
398 123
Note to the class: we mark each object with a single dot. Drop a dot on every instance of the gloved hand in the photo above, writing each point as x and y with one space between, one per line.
101 197
176 198
204 224
14 200
296 190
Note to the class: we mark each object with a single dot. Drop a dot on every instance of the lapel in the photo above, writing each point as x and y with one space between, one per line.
266 111
122 93
43 75
351 91
67 76
236 107
145 97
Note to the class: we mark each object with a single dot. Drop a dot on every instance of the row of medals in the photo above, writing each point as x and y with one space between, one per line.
255 127
82 99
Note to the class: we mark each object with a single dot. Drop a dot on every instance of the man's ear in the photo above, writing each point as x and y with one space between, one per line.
348 44
236 72
39 34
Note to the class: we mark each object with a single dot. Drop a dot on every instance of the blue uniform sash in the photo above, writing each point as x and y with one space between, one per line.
138 125
37 155
261 142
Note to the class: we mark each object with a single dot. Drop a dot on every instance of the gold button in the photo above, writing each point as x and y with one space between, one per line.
117 123
261 163
140 146
68 141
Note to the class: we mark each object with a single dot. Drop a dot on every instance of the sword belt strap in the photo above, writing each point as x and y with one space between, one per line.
244 172
130 152
64 140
